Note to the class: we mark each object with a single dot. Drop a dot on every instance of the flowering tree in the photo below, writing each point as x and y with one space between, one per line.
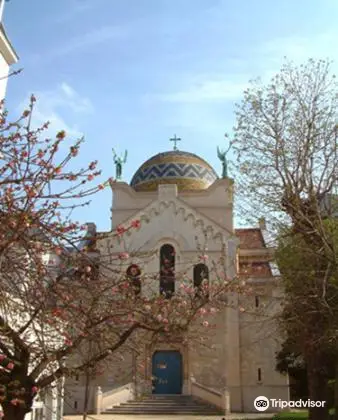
48 316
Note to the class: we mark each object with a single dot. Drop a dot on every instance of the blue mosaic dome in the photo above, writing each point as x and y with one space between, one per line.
187 170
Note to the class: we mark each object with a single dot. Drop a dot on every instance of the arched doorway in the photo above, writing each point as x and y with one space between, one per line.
167 372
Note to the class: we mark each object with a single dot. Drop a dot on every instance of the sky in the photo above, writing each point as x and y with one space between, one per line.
130 74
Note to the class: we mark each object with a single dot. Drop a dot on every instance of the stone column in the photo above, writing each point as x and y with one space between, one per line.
232 336
98 400
226 401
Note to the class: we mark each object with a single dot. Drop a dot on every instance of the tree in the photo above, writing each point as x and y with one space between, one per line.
286 147
49 316
290 362
309 320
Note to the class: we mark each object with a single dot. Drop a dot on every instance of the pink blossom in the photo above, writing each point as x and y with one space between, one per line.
136 224
35 389
205 323
202 311
92 165
165 321
74 151
159 317
2 357
61 135
10 366
204 258
123 255
120 230
58 251
15 401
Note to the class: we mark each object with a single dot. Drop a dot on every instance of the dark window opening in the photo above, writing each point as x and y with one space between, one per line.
134 274
167 270
201 280
256 301
75 405
259 374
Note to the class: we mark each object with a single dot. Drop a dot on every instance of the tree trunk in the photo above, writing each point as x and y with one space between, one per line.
318 386
86 396
13 412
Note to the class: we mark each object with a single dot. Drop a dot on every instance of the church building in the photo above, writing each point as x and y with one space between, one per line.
181 202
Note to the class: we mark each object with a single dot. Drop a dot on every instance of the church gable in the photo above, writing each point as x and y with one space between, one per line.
173 219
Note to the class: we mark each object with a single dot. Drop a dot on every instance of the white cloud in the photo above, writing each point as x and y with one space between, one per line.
269 57
68 90
76 7
59 106
198 99
298 49
91 39
208 90
76 102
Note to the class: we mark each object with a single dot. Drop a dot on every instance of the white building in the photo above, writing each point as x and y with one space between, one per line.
180 201
8 56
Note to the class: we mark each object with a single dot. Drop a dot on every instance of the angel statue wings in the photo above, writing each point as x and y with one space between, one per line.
222 157
119 162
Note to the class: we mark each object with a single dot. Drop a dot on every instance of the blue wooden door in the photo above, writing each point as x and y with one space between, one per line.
167 372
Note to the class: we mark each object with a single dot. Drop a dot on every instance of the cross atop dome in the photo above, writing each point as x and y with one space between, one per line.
175 140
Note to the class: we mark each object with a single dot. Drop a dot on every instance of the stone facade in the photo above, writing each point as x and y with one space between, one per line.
240 356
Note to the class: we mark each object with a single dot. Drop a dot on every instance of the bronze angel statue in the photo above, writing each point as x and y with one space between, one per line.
222 157
119 162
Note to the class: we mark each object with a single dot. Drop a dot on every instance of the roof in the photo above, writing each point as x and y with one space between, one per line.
250 238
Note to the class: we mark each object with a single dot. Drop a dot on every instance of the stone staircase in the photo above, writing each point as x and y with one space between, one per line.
166 404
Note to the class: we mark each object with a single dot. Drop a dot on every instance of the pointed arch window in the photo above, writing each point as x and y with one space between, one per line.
134 274
167 270
201 275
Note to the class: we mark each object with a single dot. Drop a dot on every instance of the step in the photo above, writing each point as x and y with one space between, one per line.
164 407
132 406
165 412
166 404
160 403
158 410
